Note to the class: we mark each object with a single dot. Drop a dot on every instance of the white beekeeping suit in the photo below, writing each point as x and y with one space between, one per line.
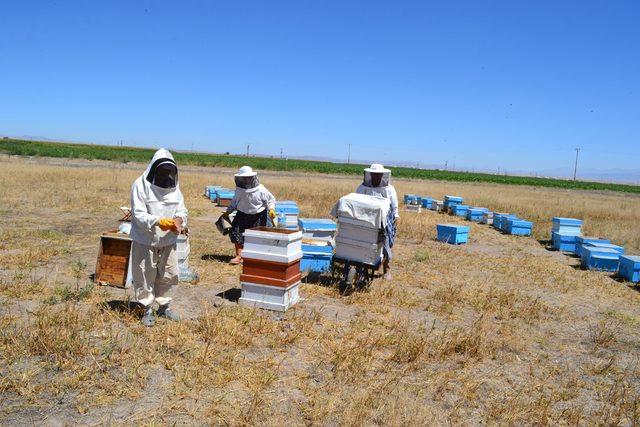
382 189
250 197
158 216
377 182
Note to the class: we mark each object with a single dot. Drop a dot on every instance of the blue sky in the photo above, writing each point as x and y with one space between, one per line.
480 84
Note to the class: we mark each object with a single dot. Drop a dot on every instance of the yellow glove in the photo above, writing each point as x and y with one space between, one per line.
166 224
272 213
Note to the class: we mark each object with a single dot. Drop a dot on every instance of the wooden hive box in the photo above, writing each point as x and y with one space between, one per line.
113 259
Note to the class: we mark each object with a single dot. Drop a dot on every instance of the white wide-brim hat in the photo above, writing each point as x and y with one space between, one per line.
376 168
246 171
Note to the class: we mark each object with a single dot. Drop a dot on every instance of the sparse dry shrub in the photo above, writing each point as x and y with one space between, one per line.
60 333
603 334
510 304
237 327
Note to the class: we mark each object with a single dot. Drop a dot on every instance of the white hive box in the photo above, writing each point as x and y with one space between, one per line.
269 297
354 229
355 250
270 244
414 208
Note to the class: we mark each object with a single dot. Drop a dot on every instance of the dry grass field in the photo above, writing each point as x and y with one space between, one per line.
499 331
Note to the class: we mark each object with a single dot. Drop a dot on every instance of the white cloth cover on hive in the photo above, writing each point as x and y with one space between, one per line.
371 209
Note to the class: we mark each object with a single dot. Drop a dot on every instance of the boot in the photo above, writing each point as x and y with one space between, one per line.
238 259
167 313
148 319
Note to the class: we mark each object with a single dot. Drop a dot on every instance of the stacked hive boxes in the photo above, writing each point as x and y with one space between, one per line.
358 241
361 222
565 232
450 201
317 244
437 205
288 213
630 268
581 241
453 234
271 268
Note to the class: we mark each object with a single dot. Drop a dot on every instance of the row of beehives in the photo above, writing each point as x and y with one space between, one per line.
454 205
595 253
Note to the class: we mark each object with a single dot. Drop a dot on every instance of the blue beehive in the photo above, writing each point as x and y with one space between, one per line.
601 259
410 199
630 268
564 242
287 212
497 219
519 227
453 234
460 210
224 196
213 192
427 202
567 226
504 222
316 256
476 214
581 240
450 201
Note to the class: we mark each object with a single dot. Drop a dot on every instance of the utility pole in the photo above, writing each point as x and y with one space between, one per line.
349 157
575 169
248 145
446 163
281 156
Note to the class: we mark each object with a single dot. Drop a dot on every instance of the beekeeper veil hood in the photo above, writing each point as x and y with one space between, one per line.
246 178
161 177
377 176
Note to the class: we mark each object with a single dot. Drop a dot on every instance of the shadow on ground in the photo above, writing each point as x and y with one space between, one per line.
216 257
120 306
232 294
